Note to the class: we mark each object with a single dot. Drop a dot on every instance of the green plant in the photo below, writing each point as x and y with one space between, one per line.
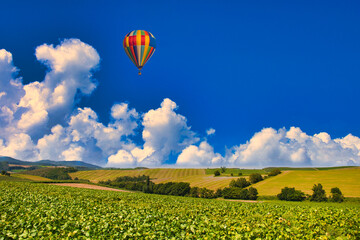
319 194
336 195
290 194
255 177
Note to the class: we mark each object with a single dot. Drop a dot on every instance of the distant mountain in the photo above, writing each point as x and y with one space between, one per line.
79 164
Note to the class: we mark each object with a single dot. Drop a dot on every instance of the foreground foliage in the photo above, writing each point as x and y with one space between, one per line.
36 211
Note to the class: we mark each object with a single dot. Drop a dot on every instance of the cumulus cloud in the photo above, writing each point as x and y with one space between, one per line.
294 148
71 64
194 156
210 131
165 132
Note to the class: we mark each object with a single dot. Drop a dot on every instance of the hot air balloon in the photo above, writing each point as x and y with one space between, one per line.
139 45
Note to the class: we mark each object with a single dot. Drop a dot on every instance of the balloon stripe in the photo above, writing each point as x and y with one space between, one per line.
149 54
127 50
147 40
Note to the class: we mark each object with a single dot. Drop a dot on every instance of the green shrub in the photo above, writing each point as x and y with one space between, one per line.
255 177
274 172
319 194
239 183
253 193
217 173
336 195
290 194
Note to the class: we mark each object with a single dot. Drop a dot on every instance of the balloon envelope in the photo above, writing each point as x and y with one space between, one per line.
139 45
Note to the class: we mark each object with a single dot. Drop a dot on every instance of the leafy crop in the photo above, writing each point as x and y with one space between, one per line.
40 211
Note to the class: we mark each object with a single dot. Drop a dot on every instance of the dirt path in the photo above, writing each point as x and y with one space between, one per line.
84 185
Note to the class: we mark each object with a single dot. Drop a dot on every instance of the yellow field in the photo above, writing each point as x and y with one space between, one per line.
31 177
347 179
196 177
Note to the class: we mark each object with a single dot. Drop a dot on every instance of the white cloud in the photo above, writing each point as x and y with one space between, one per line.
71 64
210 131
202 156
121 159
165 132
294 148
20 146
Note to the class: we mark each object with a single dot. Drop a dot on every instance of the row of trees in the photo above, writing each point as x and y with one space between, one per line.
319 195
143 184
5 173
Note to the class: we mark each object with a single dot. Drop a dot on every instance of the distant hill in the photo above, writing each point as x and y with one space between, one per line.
77 164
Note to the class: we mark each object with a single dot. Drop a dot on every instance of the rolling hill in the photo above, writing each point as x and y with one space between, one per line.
347 179
196 177
78 164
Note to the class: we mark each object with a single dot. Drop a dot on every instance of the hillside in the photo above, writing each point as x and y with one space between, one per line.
347 179
196 177
77 164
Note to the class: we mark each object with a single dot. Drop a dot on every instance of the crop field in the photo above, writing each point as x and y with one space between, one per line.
235 171
196 177
34 211
31 177
347 179
162 174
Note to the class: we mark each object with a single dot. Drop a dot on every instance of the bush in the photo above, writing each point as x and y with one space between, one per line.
239 183
290 194
194 192
253 193
236 193
219 192
274 172
255 177
336 195
206 193
318 194
216 173
223 169
240 174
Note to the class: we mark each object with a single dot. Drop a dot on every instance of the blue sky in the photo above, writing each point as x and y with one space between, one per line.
236 66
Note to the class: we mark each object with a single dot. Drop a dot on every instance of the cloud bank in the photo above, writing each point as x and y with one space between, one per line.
40 120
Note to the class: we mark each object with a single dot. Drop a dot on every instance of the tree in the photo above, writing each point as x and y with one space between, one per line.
235 193
255 177
223 169
253 193
240 183
240 174
194 192
206 193
290 194
219 192
318 194
3 172
274 172
216 173
336 195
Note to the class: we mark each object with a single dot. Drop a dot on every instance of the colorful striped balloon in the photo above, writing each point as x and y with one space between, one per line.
139 45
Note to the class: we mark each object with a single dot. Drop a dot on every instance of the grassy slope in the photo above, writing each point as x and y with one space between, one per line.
196 177
347 179
31 177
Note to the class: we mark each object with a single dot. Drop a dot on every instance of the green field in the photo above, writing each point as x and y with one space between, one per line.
40 211
235 171
31 177
347 179
196 177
